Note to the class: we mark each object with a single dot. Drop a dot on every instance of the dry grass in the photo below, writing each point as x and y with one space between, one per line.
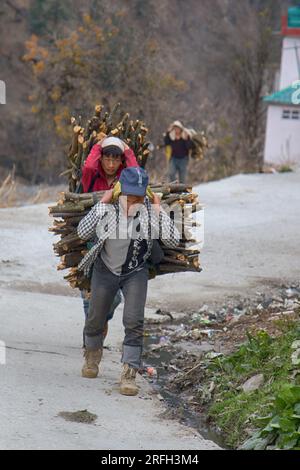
13 193
8 190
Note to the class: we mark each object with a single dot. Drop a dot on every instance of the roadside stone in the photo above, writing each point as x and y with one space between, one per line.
291 292
204 309
278 299
235 319
266 303
295 357
239 312
197 348
196 334
254 383
290 304
213 355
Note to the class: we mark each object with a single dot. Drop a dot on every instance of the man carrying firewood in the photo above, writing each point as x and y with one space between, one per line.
105 163
125 229
178 139
100 172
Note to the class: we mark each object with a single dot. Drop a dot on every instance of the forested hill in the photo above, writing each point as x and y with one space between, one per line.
207 63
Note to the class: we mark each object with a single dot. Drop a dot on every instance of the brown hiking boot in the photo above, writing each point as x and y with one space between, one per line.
90 367
128 385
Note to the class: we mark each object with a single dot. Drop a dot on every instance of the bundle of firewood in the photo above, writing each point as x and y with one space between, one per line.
116 123
200 142
73 205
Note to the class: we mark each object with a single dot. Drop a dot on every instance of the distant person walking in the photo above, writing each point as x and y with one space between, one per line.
180 143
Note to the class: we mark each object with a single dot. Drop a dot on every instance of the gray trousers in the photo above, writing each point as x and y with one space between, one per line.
178 165
104 286
86 305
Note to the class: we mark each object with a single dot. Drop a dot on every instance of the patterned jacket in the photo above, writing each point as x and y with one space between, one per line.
102 222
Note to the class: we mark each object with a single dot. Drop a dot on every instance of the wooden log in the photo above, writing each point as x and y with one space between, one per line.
182 249
175 255
69 215
164 190
196 263
73 221
74 144
59 223
61 266
61 251
67 207
59 231
67 196
171 269
69 246
170 199
73 237
66 172
72 259
98 109
170 260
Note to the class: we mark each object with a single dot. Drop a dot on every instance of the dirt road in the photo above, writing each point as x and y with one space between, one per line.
252 226
251 243
41 323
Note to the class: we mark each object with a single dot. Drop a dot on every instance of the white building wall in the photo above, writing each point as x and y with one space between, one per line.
289 67
282 143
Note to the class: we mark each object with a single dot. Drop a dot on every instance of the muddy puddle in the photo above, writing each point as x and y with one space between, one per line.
178 407
80 416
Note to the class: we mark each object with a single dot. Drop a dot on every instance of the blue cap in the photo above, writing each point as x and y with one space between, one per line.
134 181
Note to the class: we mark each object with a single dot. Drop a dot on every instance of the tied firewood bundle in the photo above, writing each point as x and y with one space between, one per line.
72 207
200 142
102 124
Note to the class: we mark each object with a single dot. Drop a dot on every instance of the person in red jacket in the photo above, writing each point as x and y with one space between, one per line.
105 163
101 170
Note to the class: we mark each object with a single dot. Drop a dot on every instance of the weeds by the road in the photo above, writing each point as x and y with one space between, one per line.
8 190
238 366
13 193
237 412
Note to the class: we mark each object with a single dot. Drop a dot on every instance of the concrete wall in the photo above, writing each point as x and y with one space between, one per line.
282 136
289 67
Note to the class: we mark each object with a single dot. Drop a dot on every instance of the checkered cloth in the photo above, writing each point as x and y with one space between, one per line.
102 222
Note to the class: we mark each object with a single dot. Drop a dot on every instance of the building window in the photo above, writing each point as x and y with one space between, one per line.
291 114
286 114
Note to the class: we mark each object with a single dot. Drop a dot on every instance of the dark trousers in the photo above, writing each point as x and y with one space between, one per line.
178 165
86 304
104 286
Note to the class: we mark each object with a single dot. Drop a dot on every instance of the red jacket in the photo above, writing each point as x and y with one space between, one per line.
93 174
